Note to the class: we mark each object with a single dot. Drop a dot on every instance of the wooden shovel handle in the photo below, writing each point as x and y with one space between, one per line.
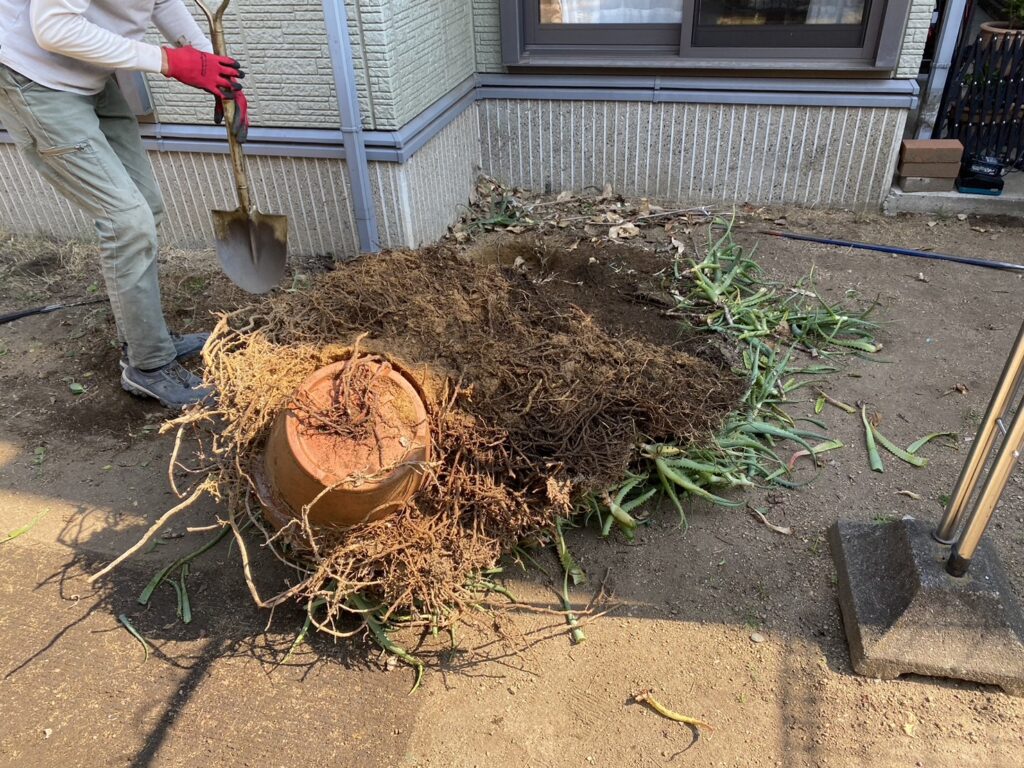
220 47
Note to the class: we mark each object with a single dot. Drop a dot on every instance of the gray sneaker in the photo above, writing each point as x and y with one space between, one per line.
186 346
174 386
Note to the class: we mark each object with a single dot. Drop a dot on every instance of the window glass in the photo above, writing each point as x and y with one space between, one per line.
784 12
611 11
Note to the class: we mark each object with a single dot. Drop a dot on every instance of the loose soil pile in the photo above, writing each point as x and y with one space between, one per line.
541 375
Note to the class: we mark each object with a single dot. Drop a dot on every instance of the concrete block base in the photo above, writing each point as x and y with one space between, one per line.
1010 203
904 614
925 184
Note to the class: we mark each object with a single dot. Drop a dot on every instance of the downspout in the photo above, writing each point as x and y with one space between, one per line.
942 60
342 64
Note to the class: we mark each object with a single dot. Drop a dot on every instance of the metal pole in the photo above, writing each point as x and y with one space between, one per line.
1008 383
340 46
942 60
963 551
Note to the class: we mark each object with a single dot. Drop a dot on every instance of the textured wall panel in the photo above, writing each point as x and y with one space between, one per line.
701 153
487 36
283 48
29 205
416 202
312 193
915 37
442 176
433 52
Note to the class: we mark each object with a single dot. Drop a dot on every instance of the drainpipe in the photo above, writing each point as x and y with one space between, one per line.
358 166
942 60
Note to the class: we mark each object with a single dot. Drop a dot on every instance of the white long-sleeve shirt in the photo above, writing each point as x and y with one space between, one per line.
75 45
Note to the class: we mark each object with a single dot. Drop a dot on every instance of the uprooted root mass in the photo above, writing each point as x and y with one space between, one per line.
532 403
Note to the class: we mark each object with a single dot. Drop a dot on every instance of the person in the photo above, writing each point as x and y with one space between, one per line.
60 102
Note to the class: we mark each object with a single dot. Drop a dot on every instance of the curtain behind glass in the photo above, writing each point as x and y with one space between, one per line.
612 11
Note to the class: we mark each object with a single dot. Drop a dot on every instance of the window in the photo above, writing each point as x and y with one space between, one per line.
720 34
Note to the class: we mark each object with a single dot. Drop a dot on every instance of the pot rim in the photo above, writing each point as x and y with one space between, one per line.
1001 27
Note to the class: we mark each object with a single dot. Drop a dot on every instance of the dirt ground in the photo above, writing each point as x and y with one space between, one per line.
75 690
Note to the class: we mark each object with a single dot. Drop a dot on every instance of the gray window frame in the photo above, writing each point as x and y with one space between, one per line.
623 46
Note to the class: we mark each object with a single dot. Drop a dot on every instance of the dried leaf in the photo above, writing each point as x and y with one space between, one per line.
563 196
623 231
784 530
909 726
680 247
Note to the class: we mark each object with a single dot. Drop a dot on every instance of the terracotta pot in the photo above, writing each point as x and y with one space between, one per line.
990 29
371 474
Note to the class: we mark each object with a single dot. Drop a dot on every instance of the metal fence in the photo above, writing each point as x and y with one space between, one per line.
983 105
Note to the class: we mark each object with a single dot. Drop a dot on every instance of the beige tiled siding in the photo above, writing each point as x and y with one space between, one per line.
700 153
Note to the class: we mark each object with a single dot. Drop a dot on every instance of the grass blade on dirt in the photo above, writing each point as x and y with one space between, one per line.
896 451
917 445
869 437
645 697
380 636
22 530
135 633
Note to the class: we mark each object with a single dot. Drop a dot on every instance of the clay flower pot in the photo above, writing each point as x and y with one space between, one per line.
370 471
990 29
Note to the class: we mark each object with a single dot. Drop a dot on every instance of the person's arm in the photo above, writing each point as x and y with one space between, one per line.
60 27
178 27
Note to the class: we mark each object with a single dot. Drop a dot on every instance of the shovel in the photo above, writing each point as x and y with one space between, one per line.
252 246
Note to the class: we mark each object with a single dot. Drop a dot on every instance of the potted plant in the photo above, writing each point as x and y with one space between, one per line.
1012 27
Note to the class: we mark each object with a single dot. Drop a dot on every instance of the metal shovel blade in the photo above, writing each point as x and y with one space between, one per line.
253 249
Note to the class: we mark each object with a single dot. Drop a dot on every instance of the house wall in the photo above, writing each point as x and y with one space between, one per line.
407 54
915 37
283 49
313 194
695 153
417 201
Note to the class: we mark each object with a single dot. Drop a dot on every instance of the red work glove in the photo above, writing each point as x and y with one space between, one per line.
213 74
240 124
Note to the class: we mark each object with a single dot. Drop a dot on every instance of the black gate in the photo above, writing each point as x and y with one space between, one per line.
983 105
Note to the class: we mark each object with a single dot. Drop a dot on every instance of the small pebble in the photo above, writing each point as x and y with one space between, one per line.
47 732
757 637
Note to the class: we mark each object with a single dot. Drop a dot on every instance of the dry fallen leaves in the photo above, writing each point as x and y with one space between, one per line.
784 530
623 231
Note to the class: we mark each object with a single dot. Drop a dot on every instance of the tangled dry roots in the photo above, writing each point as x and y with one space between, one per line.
531 404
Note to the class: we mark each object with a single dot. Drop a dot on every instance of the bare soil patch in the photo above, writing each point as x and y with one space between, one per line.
75 691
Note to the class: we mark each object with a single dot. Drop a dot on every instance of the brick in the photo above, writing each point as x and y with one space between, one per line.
919 184
930 170
931 151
